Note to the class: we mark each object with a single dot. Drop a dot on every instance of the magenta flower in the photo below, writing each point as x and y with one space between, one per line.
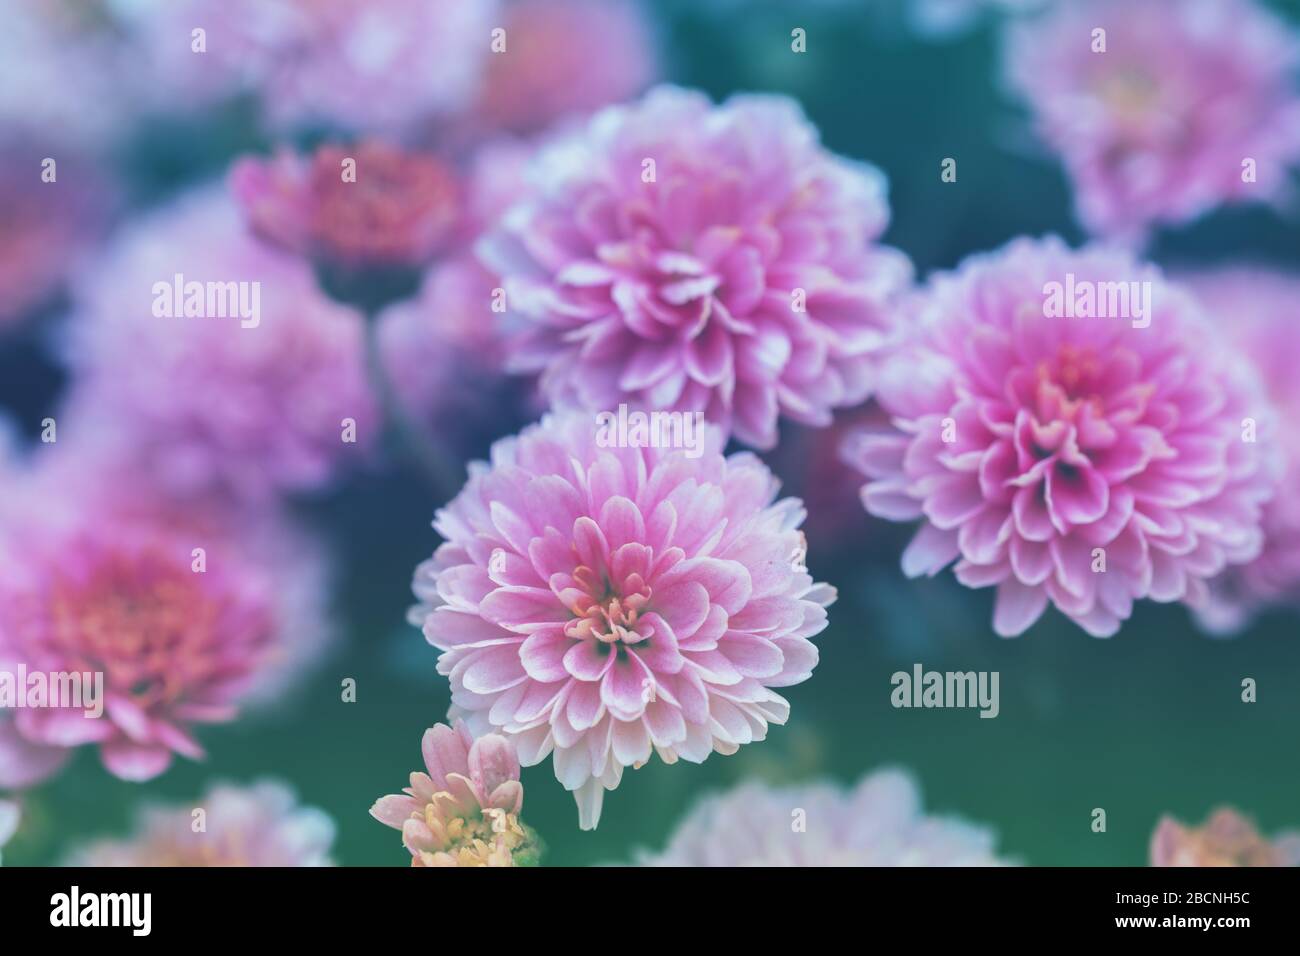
257 825
1260 310
878 823
565 57
1226 839
398 211
1088 462
465 810
602 601
680 255
215 362
1159 128
380 66
189 615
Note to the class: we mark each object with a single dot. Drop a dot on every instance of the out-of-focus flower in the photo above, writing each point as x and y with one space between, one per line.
261 824
465 810
878 823
673 254
10 813
398 210
1086 461
380 66
1191 105
601 598
1226 839
565 57
1260 310
49 226
189 615
215 362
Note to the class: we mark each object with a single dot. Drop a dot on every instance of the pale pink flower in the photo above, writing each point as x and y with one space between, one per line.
261 824
1088 462
603 601
1259 309
565 57
678 255
1156 129
399 210
220 401
879 822
382 66
1226 839
465 810
96 578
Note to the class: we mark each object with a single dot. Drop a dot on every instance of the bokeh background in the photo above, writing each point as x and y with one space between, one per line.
1146 723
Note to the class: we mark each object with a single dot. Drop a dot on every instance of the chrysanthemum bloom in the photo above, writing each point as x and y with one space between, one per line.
10 813
261 824
602 600
189 616
383 65
1260 310
1226 839
1088 462
1192 104
878 823
565 57
678 255
465 810
397 211
216 361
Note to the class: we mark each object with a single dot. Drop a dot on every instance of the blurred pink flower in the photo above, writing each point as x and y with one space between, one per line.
601 600
100 579
379 66
465 810
257 825
1226 839
679 255
878 823
1034 447
565 57
217 401
1155 130
400 209
1260 311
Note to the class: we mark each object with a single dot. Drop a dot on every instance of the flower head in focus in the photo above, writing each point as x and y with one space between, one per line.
879 822
604 600
465 810
1191 104
673 254
261 824
1082 459
1226 839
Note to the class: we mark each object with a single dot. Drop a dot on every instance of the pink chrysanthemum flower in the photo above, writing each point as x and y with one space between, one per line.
602 602
252 396
465 810
1088 462
878 823
678 255
1226 839
399 210
99 581
1260 310
565 57
1158 128
381 66
257 825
